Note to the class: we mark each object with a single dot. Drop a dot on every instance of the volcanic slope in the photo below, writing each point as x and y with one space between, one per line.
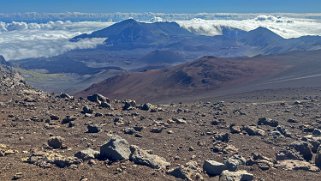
270 135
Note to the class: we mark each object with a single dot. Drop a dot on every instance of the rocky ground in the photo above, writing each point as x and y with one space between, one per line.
267 135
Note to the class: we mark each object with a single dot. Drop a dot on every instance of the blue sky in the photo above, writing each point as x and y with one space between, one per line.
169 6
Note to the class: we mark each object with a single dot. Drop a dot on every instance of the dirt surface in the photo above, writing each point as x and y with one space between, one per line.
29 118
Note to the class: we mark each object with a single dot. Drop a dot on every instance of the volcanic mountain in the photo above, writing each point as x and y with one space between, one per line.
130 34
130 45
211 76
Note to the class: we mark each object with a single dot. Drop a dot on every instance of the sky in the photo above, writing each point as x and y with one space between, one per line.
164 6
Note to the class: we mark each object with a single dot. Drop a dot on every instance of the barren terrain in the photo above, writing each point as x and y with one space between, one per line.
38 141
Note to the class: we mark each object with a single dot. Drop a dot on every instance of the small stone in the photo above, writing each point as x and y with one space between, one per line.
241 175
291 120
170 132
118 121
92 162
98 114
224 137
56 142
129 131
105 105
179 121
129 105
54 117
87 110
235 129
268 122
68 119
98 98
65 96
17 176
147 107
316 132
263 166
191 148
87 154
253 131
318 158
157 129
93 128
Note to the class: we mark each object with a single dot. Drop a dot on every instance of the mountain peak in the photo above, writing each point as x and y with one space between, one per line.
128 22
263 31
3 61
130 33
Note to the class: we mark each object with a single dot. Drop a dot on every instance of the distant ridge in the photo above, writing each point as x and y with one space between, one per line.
131 34
3 61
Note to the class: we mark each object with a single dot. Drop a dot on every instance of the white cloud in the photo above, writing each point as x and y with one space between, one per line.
286 27
19 40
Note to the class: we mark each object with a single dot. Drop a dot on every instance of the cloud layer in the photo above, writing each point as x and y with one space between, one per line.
19 39
286 27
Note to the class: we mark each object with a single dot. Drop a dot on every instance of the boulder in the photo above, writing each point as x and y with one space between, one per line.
213 168
129 105
46 160
241 175
190 171
315 142
288 155
234 161
115 149
98 98
303 148
143 157
298 165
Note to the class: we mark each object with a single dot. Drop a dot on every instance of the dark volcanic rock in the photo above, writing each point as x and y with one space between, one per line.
115 149
268 122
56 142
98 98
93 128
303 148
